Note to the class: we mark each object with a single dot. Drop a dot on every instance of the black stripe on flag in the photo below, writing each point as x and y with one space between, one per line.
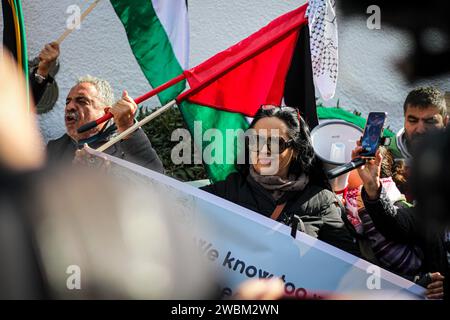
9 34
299 87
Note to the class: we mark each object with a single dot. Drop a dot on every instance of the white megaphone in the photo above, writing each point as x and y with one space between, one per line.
333 142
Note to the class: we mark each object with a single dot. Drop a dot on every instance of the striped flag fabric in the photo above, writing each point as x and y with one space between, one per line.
271 66
158 34
250 73
14 36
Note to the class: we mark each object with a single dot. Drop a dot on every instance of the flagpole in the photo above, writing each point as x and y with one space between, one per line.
136 126
83 16
138 100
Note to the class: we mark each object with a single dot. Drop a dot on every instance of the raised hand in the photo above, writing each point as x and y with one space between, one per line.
123 112
370 172
47 57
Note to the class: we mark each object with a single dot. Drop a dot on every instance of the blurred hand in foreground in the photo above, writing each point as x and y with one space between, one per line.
21 145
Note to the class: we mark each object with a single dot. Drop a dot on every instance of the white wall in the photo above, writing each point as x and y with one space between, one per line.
367 79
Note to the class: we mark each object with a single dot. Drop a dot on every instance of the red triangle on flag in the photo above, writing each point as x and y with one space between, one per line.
250 73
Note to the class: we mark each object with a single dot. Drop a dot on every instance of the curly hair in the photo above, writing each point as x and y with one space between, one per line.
297 130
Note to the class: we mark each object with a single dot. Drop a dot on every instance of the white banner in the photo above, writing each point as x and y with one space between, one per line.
244 245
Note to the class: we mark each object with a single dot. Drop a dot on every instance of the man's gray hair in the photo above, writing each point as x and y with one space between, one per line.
104 89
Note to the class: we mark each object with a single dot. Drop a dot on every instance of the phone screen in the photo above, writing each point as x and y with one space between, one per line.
372 133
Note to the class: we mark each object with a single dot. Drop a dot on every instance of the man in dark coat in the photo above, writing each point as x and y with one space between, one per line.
88 100
41 76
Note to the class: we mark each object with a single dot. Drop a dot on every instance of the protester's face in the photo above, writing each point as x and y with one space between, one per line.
82 106
419 121
268 160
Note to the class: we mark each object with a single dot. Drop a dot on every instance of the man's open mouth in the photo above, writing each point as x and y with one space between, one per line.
71 117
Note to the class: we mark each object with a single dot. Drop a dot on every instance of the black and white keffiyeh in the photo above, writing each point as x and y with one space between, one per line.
321 16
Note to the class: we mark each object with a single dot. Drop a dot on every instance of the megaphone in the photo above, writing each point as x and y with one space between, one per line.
333 142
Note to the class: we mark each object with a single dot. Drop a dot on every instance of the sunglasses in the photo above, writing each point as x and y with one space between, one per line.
275 145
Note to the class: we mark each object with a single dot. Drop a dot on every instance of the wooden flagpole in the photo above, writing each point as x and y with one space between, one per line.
83 16
138 100
136 126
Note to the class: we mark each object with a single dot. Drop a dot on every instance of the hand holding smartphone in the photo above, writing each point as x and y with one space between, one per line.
370 142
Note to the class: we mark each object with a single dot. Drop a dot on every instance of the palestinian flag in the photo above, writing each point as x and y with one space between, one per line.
271 65
14 32
158 33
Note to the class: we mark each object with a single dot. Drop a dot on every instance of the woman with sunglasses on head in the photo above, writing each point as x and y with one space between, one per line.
282 179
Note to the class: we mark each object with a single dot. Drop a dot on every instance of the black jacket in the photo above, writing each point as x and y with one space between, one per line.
404 225
38 89
137 149
317 208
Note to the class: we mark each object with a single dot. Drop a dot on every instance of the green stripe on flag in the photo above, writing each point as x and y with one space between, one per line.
14 35
150 45
221 121
23 38
155 55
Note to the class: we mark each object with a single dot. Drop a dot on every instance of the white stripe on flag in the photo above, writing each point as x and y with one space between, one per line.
174 18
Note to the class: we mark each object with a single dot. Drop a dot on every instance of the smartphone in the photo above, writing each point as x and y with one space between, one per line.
371 138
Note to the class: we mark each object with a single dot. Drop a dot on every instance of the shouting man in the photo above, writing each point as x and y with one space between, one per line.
88 100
